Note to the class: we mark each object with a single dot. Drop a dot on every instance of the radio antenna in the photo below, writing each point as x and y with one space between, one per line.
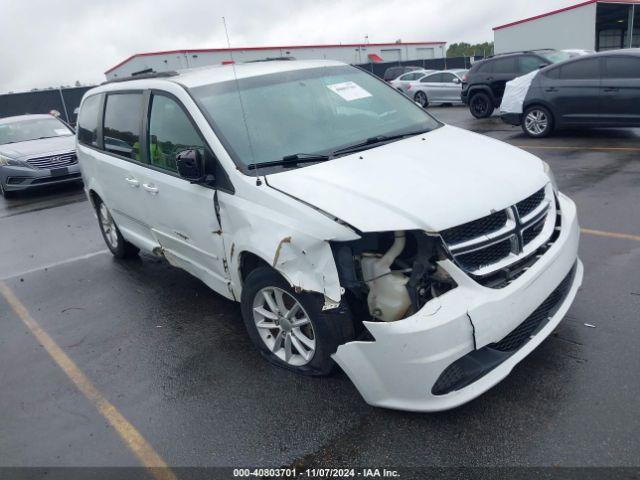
242 109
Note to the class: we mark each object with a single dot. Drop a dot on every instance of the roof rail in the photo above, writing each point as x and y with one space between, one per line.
143 76
520 51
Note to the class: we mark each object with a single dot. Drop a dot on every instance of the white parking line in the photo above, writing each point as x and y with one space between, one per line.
56 264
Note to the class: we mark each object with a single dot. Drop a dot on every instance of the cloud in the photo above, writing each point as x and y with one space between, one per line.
56 43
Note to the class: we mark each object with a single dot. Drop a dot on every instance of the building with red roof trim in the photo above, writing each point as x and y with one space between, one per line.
590 25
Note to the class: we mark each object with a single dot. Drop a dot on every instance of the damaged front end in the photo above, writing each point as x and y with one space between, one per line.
389 276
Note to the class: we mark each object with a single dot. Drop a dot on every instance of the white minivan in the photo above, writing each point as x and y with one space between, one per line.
354 228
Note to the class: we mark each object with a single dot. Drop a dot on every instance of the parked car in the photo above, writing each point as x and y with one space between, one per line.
484 83
405 79
351 225
600 90
438 87
36 150
392 73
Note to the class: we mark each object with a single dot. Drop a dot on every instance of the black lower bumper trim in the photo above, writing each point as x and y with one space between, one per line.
478 363
511 118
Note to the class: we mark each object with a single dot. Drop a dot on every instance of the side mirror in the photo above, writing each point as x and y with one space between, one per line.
189 164
456 80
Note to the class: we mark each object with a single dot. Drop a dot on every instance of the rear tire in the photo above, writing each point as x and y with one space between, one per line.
422 99
481 105
290 329
116 243
537 121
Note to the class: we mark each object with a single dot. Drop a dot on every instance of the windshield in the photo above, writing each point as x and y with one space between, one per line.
312 111
556 56
32 129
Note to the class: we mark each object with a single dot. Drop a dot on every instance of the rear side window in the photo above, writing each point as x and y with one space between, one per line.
622 67
435 78
484 67
88 121
122 122
585 69
529 63
170 132
505 65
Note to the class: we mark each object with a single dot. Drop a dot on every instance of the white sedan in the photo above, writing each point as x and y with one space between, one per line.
438 87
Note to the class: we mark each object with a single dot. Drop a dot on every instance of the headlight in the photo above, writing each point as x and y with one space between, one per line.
552 178
10 161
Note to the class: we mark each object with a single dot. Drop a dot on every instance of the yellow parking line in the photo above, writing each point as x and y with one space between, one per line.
131 437
602 233
606 149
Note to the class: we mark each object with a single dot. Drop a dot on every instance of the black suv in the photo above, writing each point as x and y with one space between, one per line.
483 85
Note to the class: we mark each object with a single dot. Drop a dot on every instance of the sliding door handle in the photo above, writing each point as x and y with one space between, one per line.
132 182
151 188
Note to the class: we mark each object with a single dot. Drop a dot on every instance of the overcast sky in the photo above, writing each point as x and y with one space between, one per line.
46 43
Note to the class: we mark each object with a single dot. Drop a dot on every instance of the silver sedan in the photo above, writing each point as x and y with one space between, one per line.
405 79
439 87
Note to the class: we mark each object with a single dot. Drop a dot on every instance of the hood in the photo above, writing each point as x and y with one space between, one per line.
37 148
451 177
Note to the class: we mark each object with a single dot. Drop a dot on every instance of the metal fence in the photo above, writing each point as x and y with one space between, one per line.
64 100
428 64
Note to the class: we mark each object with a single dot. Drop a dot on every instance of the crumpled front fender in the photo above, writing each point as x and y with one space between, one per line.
289 236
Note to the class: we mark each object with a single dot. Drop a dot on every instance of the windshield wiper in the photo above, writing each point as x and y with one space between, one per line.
372 141
291 160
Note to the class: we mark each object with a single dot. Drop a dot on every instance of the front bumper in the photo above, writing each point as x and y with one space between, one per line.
511 118
401 367
15 178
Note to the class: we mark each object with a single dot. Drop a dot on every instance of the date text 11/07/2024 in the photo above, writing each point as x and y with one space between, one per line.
316 473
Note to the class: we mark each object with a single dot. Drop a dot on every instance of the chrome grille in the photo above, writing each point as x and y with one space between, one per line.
503 239
482 226
53 161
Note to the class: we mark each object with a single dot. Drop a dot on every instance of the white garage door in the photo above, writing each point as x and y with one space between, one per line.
425 52
392 55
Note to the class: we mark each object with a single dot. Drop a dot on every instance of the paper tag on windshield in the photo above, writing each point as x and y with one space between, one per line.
349 91
62 131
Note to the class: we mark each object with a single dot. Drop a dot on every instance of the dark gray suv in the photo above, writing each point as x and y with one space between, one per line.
600 90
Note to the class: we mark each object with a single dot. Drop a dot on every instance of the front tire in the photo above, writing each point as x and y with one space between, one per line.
481 105
290 329
537 122
5 194
422 99
119 247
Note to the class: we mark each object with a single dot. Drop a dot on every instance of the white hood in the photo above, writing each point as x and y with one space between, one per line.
451 177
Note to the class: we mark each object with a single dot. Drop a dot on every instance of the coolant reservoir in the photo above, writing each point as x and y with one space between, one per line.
388 298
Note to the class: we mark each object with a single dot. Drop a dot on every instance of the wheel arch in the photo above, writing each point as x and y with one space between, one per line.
542 103
481 89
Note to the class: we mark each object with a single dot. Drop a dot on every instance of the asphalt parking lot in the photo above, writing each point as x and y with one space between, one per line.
173 360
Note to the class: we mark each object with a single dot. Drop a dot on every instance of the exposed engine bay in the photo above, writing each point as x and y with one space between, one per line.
391 275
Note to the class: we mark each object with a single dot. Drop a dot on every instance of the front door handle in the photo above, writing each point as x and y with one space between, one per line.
611 89
551 89
132 182
151 188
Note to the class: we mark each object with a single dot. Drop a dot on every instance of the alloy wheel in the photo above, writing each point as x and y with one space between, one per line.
536 122
108 226
421 98
480 106
284 326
